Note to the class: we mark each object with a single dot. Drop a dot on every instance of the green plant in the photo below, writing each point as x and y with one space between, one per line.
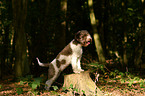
130 79
83 91
19 90
97 66
1 86
142 83
36 82
64 88
55 88
130 83
72 89
32 82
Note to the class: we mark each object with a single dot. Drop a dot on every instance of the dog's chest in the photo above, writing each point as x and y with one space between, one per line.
76 50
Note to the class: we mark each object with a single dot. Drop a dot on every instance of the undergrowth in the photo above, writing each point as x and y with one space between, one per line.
106 81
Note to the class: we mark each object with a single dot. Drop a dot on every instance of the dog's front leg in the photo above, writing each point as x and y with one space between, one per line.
79 64
76 65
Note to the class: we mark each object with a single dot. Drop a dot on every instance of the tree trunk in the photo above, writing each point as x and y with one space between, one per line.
19 17
138 54
125 58
55 18
0 47
81 82
94 22
140 40
61 31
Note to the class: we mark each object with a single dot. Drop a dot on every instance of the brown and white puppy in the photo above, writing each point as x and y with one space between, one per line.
71 54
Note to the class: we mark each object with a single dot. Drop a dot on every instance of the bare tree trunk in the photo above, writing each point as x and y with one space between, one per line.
140 42
125 58
138 54
19 17
55 18
94 22
63 23
61 31
0 50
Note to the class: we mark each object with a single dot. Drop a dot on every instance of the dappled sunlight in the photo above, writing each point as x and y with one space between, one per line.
33 29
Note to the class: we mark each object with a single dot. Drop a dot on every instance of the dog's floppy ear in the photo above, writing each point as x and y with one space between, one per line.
77 35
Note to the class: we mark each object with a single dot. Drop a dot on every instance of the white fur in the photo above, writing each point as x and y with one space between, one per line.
76 56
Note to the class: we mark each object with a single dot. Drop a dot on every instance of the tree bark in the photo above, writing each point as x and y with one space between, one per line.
0 47
81 82
140 40
61 31
125 57
19 17
94 22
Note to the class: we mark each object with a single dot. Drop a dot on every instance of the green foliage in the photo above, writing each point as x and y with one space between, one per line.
64 88
55 88
19 90
21 82
83 91
36 82
32 82
74 90
130 80
34 85
1 86
142 84
71 86
116 74
127 78
121 73
97 66
130 83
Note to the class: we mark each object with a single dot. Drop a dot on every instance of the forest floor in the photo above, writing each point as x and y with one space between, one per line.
108 87
118 89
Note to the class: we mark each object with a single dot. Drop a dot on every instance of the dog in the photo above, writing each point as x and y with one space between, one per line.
71 54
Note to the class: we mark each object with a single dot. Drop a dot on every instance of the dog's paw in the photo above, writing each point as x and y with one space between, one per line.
47 88
81 70
78 71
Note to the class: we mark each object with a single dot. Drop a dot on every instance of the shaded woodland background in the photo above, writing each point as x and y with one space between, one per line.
41 28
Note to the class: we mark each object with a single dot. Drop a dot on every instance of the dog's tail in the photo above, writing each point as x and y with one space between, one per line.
42 64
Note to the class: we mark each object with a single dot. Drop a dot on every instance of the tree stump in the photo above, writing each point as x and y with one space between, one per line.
82 82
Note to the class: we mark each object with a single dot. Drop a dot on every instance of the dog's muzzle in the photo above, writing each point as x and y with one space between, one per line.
87 42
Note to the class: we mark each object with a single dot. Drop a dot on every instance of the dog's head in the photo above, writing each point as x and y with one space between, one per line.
83 37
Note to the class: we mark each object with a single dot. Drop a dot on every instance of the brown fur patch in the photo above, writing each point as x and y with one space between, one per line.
66 51
58 63
57 57
63 61
51 71
75 42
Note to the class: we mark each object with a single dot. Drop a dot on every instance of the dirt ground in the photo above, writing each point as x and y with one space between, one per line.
9 88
